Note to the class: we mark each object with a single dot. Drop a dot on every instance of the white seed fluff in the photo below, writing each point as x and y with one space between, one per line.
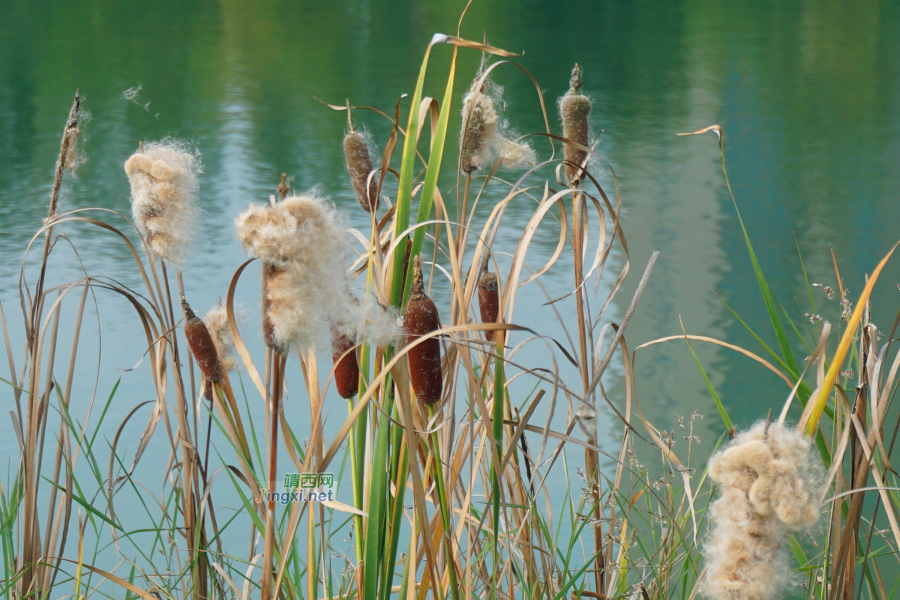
217 324
163 177
303 239
485 138
769 480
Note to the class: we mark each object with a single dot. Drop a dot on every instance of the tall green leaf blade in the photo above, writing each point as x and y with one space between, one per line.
407 166
431 176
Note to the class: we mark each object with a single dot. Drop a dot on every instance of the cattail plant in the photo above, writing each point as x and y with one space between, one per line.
300 241
201 344
424 359
357 153
163 177
217 323
346 365
575 109
302 244
770 482
484 138
488 297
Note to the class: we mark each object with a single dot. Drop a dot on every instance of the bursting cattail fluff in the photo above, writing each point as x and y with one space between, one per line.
217 323
575 110
163 177
769 481
201 344
484 138
302 244
422 318
357 153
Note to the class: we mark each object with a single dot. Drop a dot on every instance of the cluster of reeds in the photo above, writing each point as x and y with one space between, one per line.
446 491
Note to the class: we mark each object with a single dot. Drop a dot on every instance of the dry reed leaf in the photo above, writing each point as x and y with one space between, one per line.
117 580
440 38
701 338
818 356
837 361
876 474
227 579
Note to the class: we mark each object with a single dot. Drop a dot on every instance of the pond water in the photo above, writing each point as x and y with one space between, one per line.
808 94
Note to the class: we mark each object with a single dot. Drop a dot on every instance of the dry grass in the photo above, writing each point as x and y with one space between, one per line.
449 499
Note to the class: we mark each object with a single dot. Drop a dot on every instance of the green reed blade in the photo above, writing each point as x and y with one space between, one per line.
430 185
407 167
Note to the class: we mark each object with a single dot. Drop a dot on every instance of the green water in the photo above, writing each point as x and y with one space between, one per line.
808 94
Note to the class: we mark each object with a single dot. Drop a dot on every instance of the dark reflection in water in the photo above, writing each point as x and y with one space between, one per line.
808 94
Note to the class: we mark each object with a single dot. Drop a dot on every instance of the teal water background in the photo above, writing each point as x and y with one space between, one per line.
808 93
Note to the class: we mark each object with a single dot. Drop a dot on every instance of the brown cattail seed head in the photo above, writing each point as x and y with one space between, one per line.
201 344
489 297
484 138
359 165
422 318
482 121
346 366
575 110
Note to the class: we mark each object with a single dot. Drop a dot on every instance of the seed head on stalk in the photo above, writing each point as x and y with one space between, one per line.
346 365
217 323
489 297
302 243
575 110
770 480
422 318
484 138
201 344
357 154
163 177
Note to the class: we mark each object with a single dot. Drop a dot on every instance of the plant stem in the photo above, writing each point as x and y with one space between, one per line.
445 508
277 367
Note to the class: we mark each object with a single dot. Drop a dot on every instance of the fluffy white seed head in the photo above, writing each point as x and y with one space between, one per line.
770 481
485 138
217 324
303 239
164 184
